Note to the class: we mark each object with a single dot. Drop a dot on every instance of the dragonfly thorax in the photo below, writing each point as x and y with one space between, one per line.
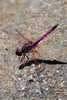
26 47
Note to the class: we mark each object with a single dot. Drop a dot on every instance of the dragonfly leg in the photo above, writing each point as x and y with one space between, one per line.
24 60
27 56
35 58
36 52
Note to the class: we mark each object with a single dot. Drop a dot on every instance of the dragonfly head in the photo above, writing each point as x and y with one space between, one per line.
18 52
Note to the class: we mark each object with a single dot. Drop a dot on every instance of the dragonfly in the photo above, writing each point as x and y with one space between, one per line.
30 45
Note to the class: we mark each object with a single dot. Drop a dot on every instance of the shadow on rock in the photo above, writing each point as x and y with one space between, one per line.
41 61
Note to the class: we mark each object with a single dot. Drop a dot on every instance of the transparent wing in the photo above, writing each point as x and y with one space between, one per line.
24 36
18 37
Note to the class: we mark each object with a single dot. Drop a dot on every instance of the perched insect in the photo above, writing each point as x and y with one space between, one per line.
29 46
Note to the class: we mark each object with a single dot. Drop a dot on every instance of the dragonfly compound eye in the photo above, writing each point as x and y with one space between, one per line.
18 52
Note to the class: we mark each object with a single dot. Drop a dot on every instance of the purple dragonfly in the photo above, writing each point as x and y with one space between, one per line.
30 46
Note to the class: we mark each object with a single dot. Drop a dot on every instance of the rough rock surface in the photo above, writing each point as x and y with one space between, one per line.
48 81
